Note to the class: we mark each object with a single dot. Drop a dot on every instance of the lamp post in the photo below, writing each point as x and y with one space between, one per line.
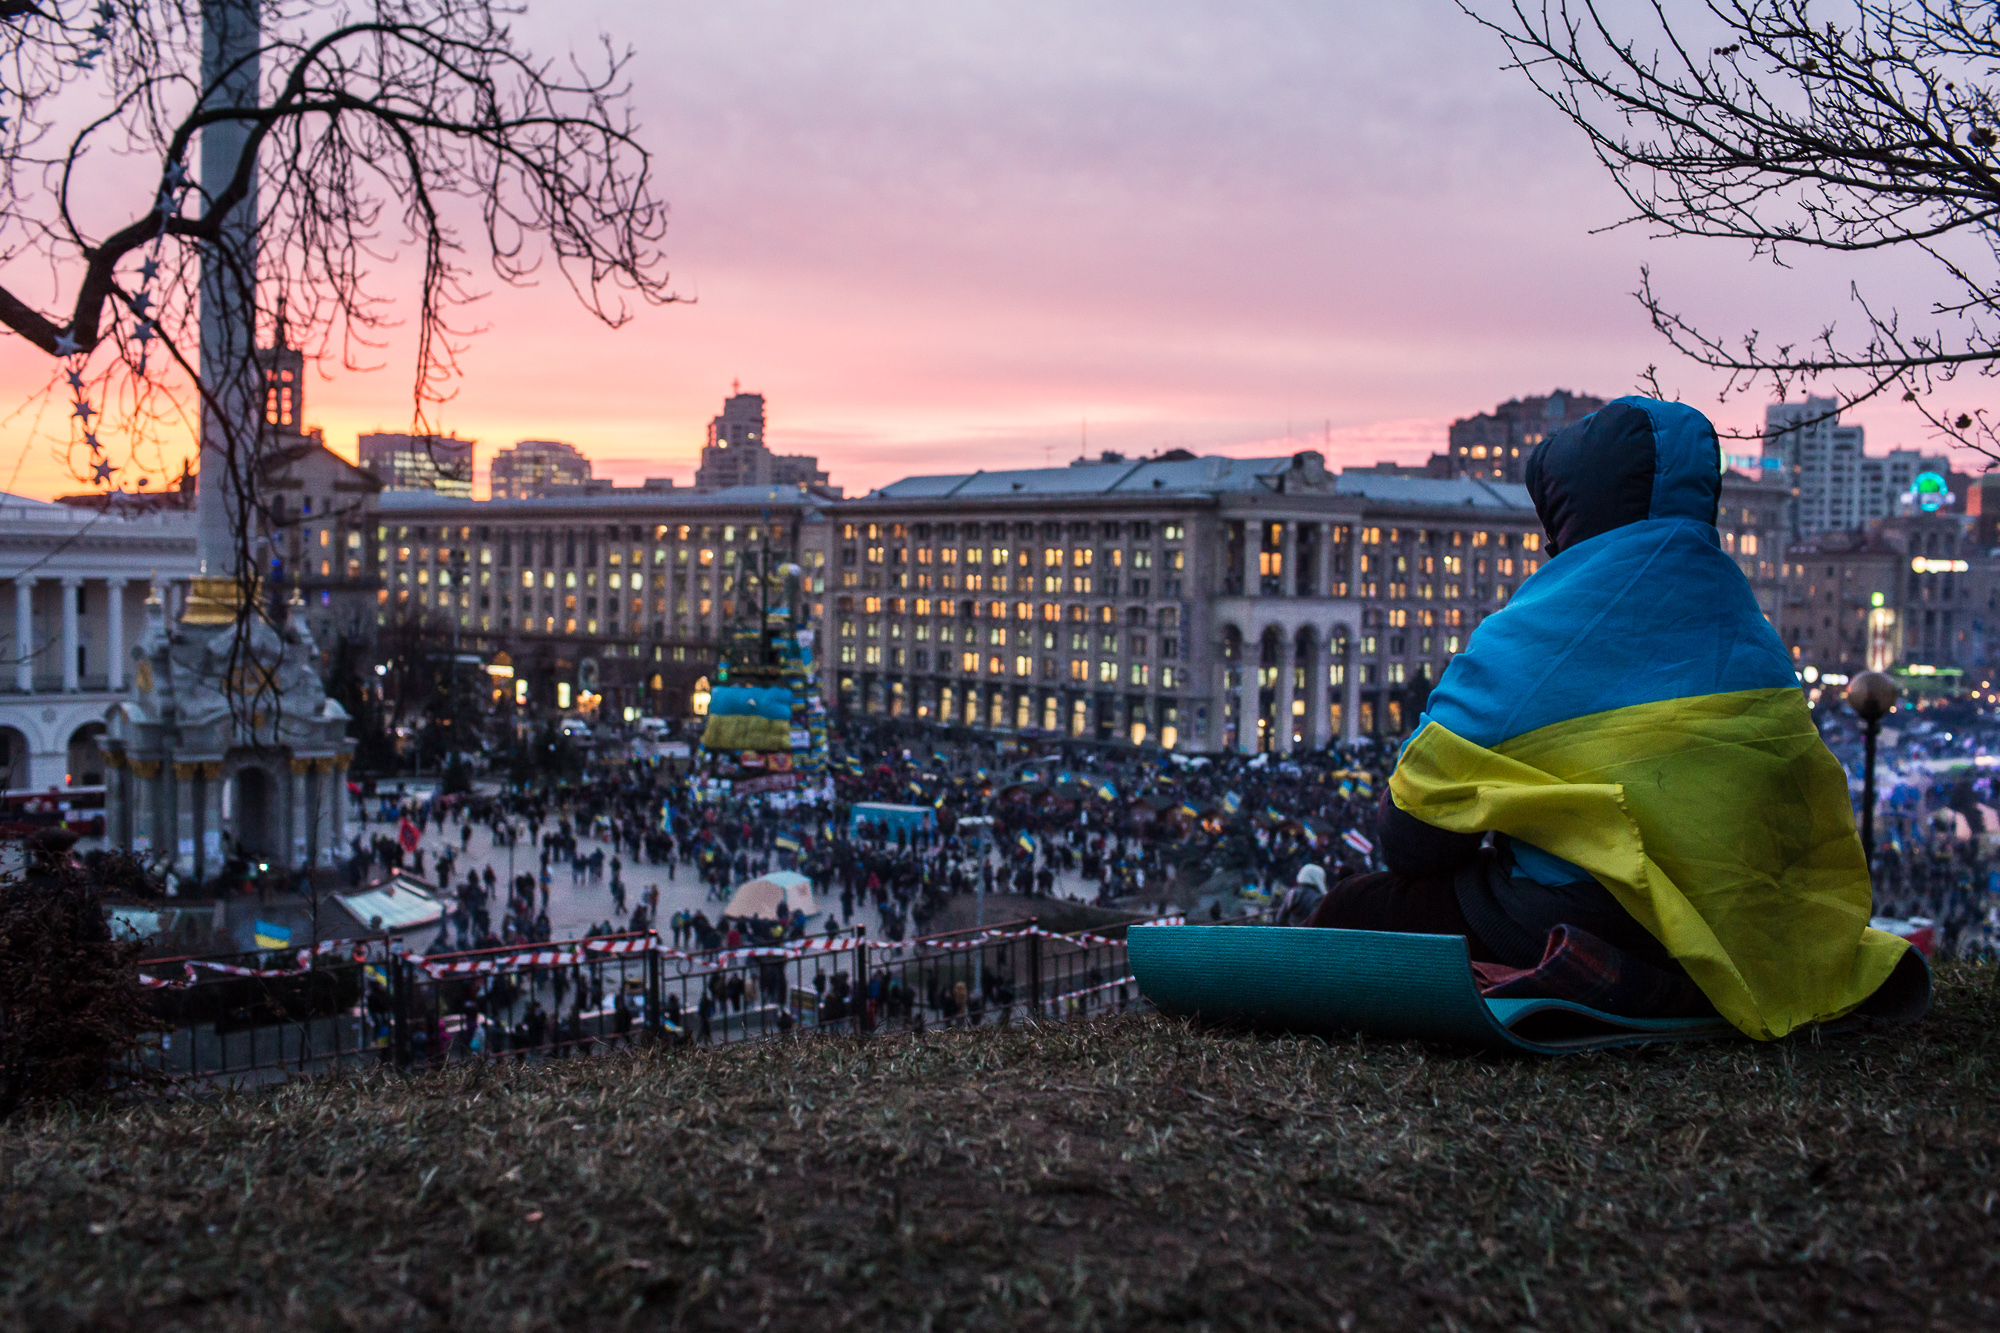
1871 695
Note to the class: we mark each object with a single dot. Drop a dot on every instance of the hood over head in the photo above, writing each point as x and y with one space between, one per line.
1631 460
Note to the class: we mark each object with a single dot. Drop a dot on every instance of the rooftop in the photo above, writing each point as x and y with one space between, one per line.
1209 475
430 502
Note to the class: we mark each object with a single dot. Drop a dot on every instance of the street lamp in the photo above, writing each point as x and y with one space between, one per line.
1871 695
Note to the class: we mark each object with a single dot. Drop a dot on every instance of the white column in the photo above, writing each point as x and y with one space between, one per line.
1318 723
1252 665
24 634
114 632
1350 705
1288 560
1283 694
70 584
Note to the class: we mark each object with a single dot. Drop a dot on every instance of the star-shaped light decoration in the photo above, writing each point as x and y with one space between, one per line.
177 176
90 438
66 344
76 380
149 270
142 302
144 333
101 471
82 408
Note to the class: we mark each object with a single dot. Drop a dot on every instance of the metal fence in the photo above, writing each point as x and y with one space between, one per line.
250 1018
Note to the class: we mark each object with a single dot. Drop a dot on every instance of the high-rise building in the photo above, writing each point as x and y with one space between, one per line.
441 463
1836 485
736 455
1494 445
534 469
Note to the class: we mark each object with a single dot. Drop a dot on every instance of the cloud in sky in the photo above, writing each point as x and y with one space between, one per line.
946 236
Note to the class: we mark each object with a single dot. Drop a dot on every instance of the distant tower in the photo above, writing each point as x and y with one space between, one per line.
736 454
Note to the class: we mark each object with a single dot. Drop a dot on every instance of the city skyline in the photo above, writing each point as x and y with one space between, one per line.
1013 226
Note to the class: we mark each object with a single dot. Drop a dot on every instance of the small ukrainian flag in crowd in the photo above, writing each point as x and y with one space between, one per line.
785 843
1231 803
1189 811
1106 791
1025 841
979 773
1274 814
917 790
272 937
1365 784
939 802
1346 787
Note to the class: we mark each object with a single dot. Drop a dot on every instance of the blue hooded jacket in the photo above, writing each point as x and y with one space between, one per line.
1636 604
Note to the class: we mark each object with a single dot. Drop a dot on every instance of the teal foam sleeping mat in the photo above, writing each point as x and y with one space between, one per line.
1301 979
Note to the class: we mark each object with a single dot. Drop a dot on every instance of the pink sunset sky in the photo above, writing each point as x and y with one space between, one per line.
942 237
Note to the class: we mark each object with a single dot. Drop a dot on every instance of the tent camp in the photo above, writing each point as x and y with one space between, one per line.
760 897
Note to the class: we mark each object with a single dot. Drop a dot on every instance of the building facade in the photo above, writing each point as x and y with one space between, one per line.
1193 603
1837 485
643 585
535 469
1495 445
322 513
441 463
736 454
78 581
1915 594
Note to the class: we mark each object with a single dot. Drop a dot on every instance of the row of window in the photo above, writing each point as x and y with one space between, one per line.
1107 530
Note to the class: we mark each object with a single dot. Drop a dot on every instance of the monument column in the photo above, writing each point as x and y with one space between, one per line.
24 634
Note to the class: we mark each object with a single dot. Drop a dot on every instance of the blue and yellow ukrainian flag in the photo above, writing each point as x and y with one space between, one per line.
1631 712
785 843
917 790
1025 841
1190 811
1231 803
272 937
1106 791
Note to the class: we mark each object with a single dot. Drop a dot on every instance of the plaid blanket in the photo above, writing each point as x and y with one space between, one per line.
1579 967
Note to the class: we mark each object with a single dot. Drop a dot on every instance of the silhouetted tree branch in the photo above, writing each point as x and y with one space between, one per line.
1866 126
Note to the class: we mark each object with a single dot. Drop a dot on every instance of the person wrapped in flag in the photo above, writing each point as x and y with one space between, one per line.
1616 793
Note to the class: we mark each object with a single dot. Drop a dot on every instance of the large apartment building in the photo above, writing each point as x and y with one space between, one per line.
1837 484
1195 603
645 586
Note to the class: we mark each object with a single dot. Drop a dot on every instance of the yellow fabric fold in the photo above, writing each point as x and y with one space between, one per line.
1721 823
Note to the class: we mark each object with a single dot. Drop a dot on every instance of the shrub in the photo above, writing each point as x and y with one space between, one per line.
71 1009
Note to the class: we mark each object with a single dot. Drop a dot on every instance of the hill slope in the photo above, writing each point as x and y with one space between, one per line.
1126 1174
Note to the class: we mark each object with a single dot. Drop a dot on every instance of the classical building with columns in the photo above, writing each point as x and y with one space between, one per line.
78 580
1195 603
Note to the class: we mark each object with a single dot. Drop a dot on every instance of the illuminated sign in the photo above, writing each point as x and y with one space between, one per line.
1929 492
1923 566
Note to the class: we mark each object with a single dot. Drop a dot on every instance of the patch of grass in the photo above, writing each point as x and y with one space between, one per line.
1126 1174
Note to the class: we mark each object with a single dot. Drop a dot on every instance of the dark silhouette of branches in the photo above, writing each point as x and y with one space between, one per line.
373 129
1866 126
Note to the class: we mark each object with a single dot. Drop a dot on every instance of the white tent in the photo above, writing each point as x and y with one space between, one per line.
400 902
760 897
